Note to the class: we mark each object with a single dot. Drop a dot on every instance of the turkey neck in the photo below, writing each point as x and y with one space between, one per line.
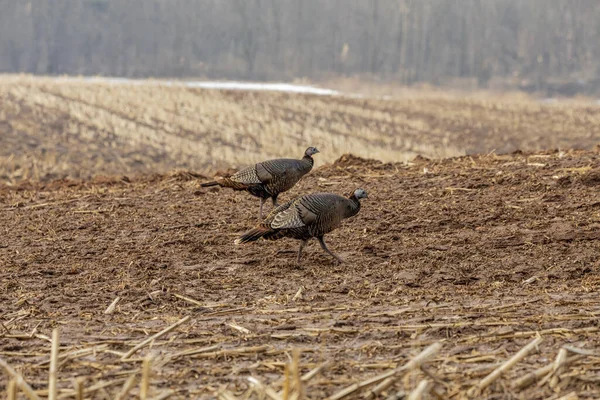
308 162
353 207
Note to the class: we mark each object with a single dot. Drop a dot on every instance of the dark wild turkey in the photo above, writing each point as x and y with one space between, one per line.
268 179
308 216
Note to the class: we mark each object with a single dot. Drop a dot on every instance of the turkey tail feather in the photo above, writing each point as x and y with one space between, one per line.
226 182
208 184
253 234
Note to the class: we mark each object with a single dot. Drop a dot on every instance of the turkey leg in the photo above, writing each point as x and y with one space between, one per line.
324 247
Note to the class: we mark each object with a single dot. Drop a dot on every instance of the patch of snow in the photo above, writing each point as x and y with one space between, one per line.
549 100
276 87
227 85
558 101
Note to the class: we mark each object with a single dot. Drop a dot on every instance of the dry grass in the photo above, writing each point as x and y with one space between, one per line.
80 129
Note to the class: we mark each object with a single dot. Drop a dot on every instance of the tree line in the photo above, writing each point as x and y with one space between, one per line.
534 45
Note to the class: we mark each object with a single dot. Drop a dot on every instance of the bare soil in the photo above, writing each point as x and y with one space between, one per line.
480 253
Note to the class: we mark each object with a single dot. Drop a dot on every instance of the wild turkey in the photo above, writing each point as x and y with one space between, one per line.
308 216
268 179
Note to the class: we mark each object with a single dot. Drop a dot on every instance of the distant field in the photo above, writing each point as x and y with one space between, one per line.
52 129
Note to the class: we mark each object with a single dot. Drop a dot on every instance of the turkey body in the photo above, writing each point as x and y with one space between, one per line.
309 216
268 179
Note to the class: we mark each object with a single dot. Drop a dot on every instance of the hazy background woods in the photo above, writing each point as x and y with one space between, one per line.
536 45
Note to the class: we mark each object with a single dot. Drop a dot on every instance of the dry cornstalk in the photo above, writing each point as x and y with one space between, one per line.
238 328
226 395
412 364
145 382
78 385
196 351
533 376
422 388
559 362
77 353
154 337
227 312
11 390
310 374
190 300
433 376
232 352
96 387
298 294
24 386
127 386
264 389
52 379
400 395
298 385
164 395
111 308
497 373
523 334
286 381
383 385
584 352
569 396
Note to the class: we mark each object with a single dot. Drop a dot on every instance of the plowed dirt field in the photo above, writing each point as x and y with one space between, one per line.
481 254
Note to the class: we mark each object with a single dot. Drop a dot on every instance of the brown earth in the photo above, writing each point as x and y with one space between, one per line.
480 253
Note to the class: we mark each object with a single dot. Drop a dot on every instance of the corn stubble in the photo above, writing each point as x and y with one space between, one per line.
53 129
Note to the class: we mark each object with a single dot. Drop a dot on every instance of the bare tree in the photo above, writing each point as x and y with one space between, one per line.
529 44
